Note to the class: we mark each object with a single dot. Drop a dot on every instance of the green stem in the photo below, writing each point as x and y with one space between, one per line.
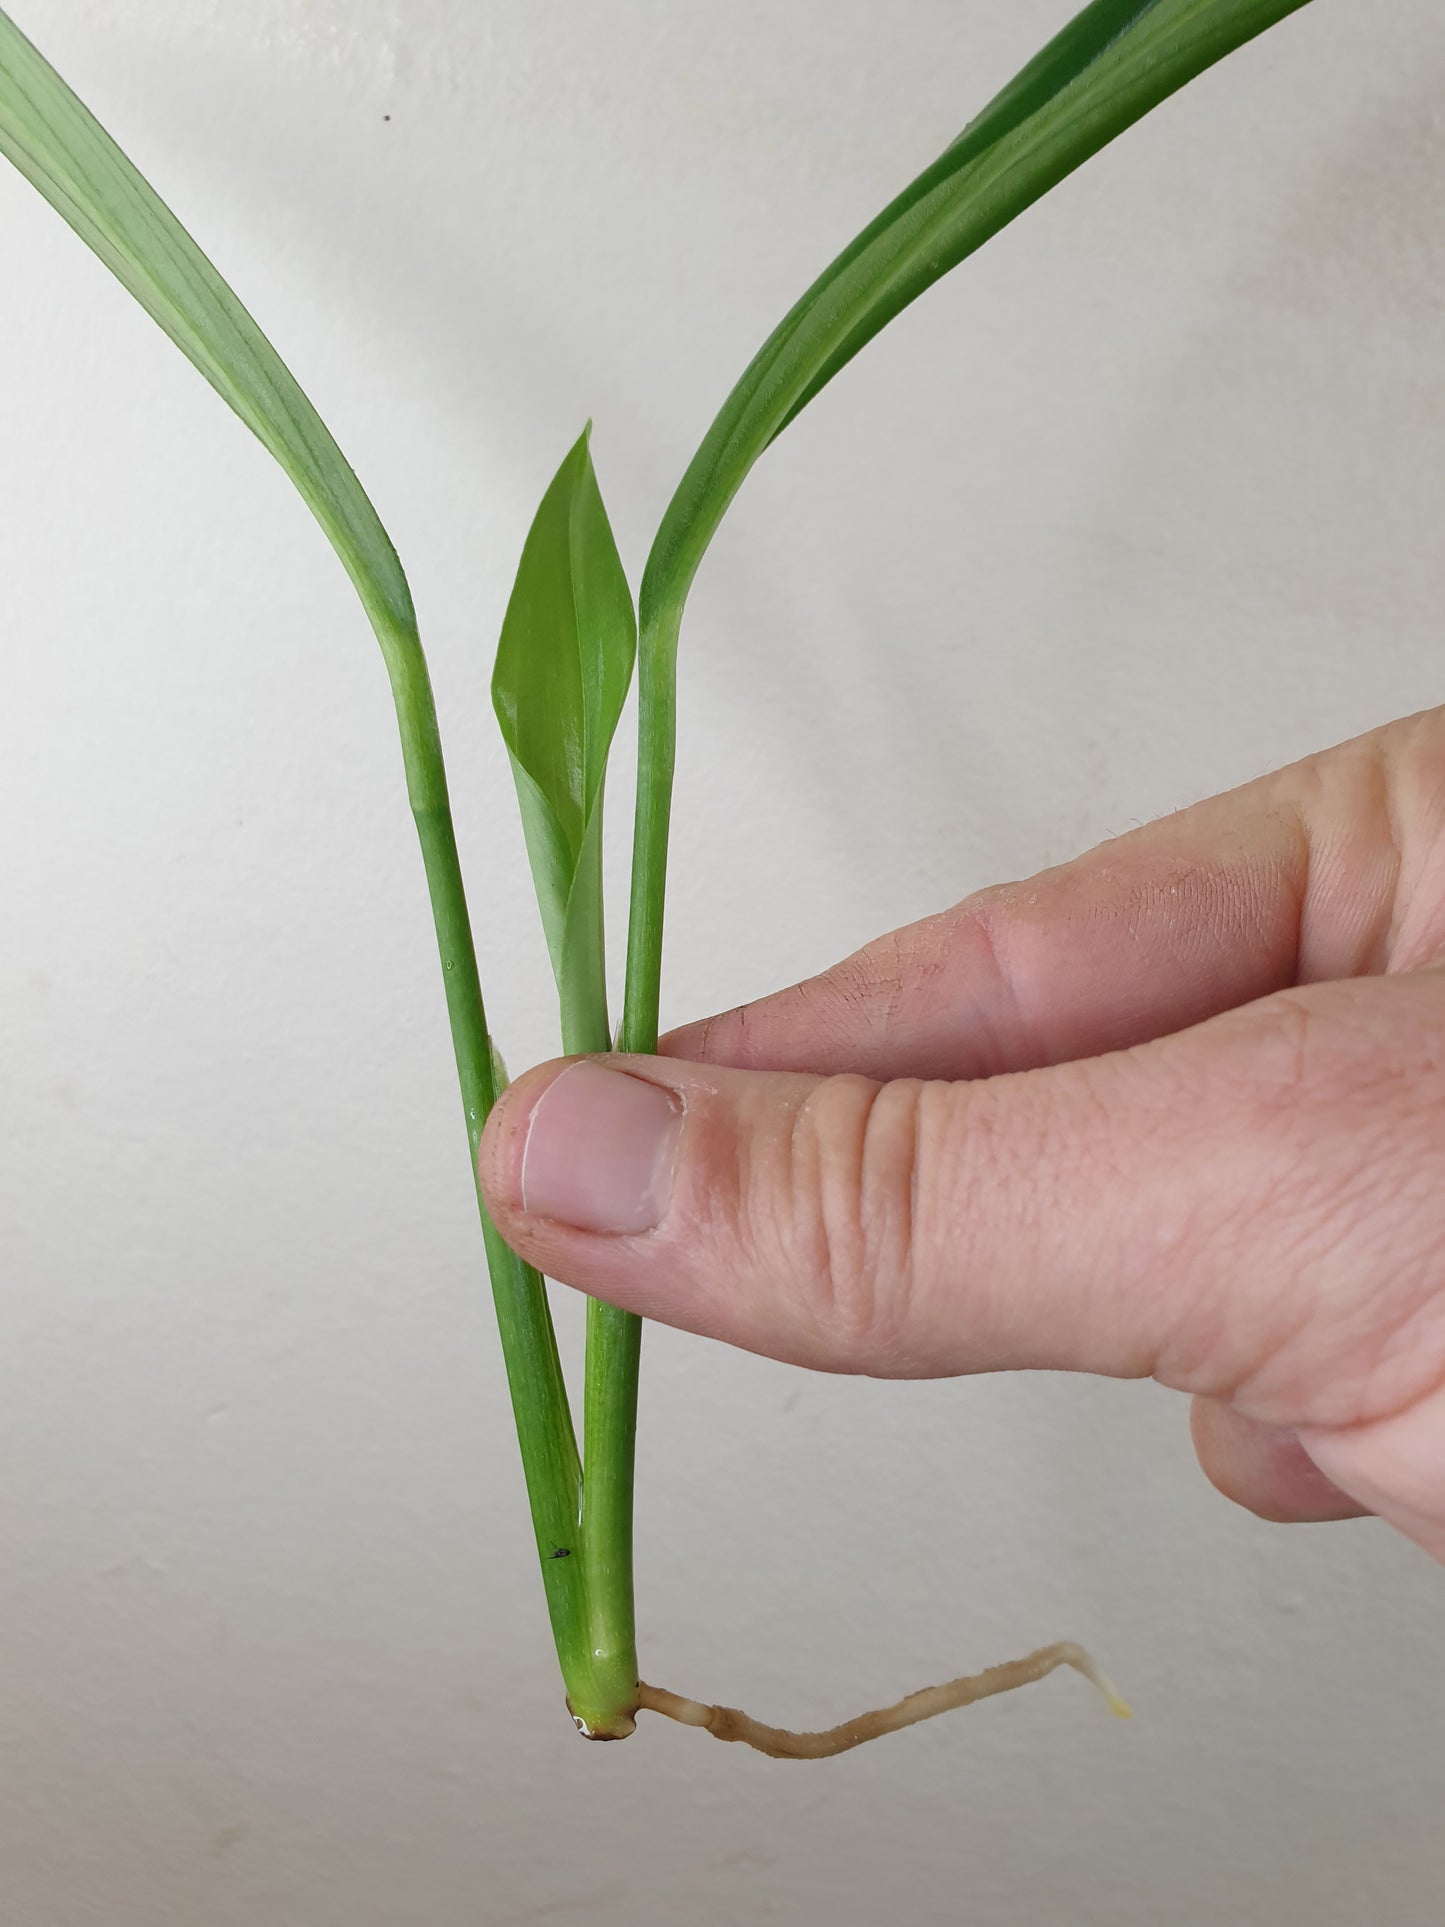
605 1701
534 1373
656 757
609 1430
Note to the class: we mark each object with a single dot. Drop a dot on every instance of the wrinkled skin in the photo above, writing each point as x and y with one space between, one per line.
1174 1109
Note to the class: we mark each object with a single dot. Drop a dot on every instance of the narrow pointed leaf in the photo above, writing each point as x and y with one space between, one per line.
56 143
1112 64
563 668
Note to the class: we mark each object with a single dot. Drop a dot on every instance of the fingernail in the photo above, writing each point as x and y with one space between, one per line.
600 1150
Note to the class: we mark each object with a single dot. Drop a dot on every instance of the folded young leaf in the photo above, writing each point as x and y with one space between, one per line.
563 669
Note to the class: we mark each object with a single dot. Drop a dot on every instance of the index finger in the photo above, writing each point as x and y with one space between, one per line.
1290 879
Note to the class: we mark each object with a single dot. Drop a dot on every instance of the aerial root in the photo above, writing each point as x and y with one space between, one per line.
727 1723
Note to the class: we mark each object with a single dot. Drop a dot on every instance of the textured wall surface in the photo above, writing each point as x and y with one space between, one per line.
1142 502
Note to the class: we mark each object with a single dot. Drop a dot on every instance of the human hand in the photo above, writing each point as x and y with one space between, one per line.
1174 1109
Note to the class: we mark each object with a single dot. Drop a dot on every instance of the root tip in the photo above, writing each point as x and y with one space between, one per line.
1095 1674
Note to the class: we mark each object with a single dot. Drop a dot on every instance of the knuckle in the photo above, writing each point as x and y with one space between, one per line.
993 938
851 1156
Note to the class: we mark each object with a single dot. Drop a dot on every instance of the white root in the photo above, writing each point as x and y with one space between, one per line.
779 1743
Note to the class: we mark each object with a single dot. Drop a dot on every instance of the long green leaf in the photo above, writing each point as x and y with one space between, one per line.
1110 66
563 669
57 144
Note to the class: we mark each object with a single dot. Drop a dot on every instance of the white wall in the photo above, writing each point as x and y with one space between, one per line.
1142 502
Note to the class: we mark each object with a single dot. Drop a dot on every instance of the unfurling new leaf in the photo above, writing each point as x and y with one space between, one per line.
563 668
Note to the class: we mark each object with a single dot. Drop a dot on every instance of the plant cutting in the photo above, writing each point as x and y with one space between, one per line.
564 666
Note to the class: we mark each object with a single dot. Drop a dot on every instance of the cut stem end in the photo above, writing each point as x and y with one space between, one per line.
614 1725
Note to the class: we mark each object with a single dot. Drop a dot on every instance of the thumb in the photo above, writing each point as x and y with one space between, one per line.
1217 1208
900 1229
903 1229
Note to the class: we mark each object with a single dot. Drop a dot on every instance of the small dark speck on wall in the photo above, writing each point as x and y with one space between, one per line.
386 117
